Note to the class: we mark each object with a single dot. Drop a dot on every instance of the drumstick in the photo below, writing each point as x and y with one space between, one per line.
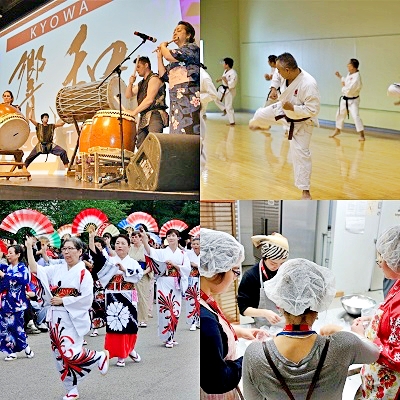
136 62
122 106
167 45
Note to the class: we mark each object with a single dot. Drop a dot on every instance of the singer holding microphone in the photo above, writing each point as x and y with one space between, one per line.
183 75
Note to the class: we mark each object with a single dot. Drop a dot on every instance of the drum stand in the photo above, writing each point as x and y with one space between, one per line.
78 131
117 70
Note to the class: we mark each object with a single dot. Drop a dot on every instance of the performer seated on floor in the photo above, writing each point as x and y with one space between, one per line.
45 134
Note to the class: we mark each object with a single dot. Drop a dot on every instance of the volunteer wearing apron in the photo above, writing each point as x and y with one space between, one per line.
252 300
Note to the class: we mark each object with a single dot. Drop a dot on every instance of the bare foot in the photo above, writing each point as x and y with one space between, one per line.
397 103
306 195
336 133
362 139
224 113
232 124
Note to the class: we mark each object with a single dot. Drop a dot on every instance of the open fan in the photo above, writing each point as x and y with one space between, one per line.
140 217
54 238
195 232
27 218
64 230
90 217
155 237
124 224
3 247
107 228
172 224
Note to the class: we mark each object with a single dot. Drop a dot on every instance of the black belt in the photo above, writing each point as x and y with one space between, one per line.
346 99
292 121
225 89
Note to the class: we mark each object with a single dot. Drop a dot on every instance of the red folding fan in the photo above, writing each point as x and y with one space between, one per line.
27 218
64 230
107 228
140 217
195 232
90 217
172 224
3 247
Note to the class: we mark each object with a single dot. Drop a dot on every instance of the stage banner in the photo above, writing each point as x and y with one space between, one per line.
73 45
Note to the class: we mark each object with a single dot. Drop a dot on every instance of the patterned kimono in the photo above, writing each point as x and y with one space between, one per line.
70 322
121 304
192 293
184 89
381 379
13 302
170 287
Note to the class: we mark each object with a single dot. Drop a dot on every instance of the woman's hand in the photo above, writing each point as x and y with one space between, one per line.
359 324
56 301
272 317
121 267
246 333
2 274
29 241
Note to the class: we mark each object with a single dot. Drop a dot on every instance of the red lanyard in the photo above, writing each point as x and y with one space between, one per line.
215 307
263 269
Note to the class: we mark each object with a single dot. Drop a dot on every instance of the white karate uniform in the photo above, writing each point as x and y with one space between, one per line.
352 87
303 93
276 82
227 105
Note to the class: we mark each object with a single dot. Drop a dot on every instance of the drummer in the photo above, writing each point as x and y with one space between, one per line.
45 135
8 99
150 92
252 300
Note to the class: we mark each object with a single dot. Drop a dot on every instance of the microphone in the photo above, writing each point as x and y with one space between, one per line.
145 37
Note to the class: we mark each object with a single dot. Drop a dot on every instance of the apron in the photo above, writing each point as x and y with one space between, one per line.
266 304
234 394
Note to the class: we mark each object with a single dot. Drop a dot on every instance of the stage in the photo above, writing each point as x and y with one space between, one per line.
55 187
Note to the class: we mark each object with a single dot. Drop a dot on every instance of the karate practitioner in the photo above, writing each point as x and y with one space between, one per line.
297 108
350 101
229 80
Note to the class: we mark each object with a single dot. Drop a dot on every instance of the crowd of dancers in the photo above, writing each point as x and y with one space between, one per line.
108 282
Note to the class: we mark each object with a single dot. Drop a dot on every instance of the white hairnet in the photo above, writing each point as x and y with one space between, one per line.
388 246
301 284
219 252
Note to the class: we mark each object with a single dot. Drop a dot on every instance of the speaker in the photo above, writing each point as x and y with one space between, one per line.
166 163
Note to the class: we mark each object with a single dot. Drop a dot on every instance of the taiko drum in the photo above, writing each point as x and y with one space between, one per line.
84 136
106 130
14 128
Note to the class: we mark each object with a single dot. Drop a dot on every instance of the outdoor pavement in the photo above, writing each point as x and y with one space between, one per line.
163 373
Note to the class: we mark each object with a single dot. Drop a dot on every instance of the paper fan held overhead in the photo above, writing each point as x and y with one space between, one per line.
172 224
53 238
124 224
27 218
107 228
64 230
139 217
87 219
195 232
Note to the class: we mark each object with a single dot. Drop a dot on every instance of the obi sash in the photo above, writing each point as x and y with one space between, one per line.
117 283
63 292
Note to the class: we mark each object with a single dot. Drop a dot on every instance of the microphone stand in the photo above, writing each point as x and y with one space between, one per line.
117 70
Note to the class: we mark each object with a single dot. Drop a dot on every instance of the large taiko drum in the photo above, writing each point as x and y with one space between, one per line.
105 130
81 102
85 136
14 128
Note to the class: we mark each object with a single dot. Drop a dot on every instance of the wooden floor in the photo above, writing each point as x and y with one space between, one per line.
51 187
245 164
